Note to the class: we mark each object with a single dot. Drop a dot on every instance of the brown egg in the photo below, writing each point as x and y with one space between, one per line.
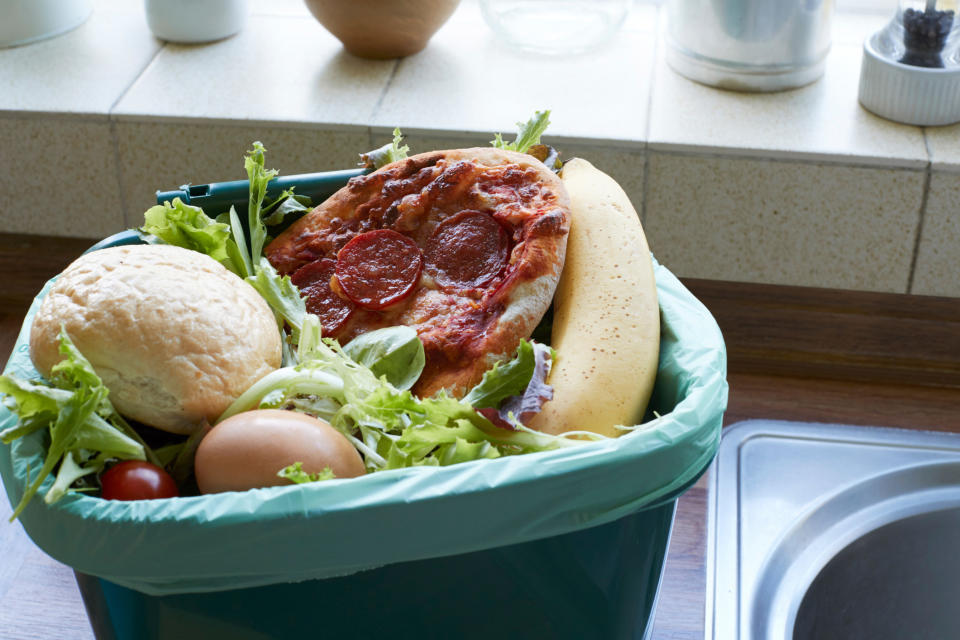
247 450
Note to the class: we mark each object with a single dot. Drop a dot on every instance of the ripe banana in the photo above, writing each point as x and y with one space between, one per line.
606 323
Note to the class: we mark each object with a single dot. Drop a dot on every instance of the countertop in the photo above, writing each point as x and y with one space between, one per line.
802 187
795 353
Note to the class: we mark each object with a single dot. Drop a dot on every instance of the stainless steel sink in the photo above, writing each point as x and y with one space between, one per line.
833 532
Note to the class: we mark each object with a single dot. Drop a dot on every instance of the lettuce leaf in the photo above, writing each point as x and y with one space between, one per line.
391 427
259 177
394 352
515 392
390 152
295 473
284 206
284 299
189 227
69 473
528 133
505 379
84 428
240 255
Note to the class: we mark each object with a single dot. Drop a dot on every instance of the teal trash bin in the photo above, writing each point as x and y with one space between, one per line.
557 544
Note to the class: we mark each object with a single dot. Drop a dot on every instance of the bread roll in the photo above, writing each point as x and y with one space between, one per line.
174 335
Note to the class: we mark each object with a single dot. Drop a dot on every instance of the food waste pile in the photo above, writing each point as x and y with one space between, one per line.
445 307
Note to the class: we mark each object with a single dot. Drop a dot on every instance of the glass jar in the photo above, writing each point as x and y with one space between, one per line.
554 26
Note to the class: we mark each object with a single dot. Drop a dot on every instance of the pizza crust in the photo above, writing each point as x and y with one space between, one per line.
464 332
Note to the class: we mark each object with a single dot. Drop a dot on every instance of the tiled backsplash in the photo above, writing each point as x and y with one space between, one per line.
802 187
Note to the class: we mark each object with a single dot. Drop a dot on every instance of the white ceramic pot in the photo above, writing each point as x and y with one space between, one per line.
196 20
25 21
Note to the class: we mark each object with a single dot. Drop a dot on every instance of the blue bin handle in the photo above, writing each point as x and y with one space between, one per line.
217 197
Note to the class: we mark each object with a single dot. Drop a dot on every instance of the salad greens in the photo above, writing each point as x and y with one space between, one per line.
85 430
390 426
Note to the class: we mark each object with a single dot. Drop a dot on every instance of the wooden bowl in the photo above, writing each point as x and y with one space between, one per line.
382 28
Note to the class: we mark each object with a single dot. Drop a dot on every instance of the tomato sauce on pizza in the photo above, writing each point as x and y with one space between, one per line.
465 246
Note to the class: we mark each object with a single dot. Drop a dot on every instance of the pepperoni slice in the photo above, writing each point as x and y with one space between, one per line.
379 268
467 250
313 280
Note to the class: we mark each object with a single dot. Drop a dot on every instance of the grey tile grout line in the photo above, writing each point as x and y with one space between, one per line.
924 198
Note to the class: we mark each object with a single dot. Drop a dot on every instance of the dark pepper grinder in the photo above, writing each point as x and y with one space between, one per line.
925 33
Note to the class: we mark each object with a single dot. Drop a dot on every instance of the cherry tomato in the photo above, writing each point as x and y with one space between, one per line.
137 480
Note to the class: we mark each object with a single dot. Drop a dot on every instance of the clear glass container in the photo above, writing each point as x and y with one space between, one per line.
555 26
923 33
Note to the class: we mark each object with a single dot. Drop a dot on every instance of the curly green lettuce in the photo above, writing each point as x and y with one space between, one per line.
390 152
388 424
295 474
84 428
528 133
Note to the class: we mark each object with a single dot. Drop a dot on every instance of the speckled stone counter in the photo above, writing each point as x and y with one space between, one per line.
803 187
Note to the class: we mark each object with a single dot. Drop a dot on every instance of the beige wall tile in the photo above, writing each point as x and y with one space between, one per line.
59 178
157 156
938 258
783 223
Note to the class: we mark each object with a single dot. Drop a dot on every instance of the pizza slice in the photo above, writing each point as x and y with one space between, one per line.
465 246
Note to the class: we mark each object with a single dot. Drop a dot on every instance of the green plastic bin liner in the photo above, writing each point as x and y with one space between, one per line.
566 543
